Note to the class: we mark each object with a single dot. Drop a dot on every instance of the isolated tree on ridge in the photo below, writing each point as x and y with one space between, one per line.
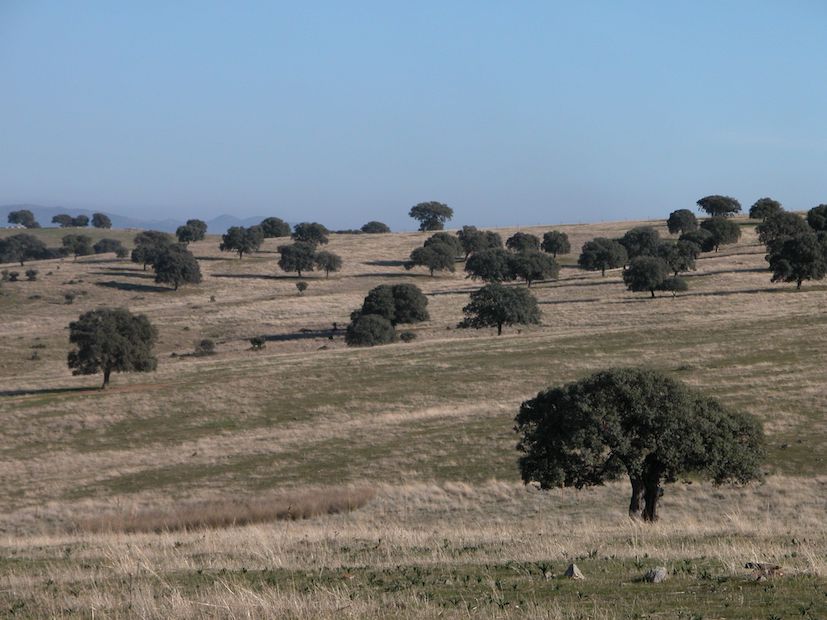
681 221
272 227
101 220
431 215
763 208
719 206
24 218
310 232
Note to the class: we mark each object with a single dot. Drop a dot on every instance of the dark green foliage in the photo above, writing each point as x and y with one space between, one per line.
373 227
798 258
257 343
310 232
645 273
242 240
407 336
23 217
176 265
327 262
817 217
495 305
763 208
719 206
204 347
398 303
368 330
431 215
273 227
78 245
22 247
12 276
779 226
193 230
436 257
674 285
601 254
522 242
446 239
640 241
702 239
681 221
723 230
492 265
31 274
101 220
105 246
532 265
148 244
65 220
110 340
556 242
298 257
638 423
474 240
301 286
678 255
80 221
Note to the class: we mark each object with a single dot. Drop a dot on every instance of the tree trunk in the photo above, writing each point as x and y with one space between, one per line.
636 504
651 494
603 272
529 283
327 273
651 290
176 286
106 373
499 329
432 273
798 285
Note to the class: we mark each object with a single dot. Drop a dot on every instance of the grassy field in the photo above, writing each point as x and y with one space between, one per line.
423 430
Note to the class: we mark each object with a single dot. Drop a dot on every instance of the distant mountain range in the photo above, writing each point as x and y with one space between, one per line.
44 215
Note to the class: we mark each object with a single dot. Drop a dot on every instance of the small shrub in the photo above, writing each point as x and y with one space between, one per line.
13 276
31 274
407 336
35 356
69 298
205 347
35 297
367 330
258 343
212 298
301 285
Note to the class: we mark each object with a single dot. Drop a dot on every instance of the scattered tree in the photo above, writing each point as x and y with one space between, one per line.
368 330
257 343
436 257
203 347
556 242
148 244
273 227
110 340
22 247
374 227
495 305
645 273
301 286
781 225
176 265
674 285
298 257
78 245
601 254
24 218
702 239
398 303
522 242
31 274
80 221
310 232
724 231
798 258
681 221
639 423
114 246
763 208
719 206
327 262
242 240
101 220
533 265
474 240
64 220
193 230
446 239
640 241
817 217
492 265
431 215
678 255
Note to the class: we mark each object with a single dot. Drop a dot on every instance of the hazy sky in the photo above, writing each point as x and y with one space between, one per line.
513 113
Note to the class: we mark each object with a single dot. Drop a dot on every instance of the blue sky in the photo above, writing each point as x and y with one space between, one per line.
513 113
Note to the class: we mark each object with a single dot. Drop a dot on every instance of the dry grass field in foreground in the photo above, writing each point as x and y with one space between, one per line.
421 431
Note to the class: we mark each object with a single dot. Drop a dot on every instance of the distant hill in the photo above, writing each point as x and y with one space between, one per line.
44 215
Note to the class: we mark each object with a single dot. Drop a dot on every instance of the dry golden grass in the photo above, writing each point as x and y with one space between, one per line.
429 423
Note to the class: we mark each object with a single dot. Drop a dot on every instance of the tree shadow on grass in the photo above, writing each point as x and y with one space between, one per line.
34 392
407 274
145 275
263 276
306 334
557 302
128 286
721 271
386 263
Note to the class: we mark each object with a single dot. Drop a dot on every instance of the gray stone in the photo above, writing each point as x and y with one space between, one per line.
572 572
656 575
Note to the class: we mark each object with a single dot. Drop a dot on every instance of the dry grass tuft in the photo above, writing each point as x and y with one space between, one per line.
289 506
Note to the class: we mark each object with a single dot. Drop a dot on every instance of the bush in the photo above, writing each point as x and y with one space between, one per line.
374 227
31 274
204 347
368 330
69 298
301 285
13 276
407 336
258 343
